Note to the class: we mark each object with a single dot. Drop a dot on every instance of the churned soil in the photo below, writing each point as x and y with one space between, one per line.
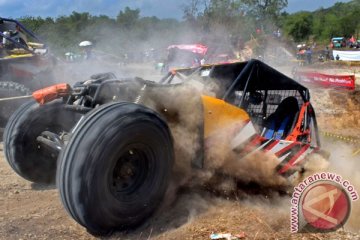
32 211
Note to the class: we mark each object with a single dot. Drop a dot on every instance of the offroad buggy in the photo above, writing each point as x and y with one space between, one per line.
25 66
184 55
111 141
338 42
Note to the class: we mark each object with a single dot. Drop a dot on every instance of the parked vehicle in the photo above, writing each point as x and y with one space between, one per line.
338 42
184 56
25 65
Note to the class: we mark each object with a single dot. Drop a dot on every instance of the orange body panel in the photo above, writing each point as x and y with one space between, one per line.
293 136
220 114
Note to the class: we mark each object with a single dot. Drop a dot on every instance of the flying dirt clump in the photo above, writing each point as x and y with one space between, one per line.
181 105
257 166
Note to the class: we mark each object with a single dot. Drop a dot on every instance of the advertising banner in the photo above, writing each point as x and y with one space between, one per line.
326 80
346 55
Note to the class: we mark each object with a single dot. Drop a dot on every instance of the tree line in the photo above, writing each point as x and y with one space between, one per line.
207 21
340 20
127 32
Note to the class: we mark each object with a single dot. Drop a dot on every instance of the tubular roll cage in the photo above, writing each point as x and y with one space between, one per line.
249 76
23 28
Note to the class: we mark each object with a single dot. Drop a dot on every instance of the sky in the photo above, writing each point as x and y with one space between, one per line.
159 8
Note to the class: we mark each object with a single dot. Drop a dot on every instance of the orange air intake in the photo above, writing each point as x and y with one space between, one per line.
51 93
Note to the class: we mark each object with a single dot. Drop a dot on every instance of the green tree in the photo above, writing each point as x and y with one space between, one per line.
266 10
128 18
331 27
192 10
350 23
299 25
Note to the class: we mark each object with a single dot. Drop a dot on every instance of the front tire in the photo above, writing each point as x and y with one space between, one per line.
22 151
114 171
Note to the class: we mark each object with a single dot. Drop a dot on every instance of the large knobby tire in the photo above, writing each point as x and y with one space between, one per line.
115 169
22 151
7 108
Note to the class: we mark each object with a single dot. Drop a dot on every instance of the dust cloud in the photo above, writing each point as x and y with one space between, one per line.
256 166
347 166
181 105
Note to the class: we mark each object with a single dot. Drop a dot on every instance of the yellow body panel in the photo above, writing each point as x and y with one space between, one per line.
220 114
19 56
35 45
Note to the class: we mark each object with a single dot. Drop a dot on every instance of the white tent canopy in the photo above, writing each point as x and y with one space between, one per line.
85 44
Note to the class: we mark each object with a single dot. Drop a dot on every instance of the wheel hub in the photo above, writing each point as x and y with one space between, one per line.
129 172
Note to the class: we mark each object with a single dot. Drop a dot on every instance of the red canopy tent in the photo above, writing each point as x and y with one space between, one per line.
195 48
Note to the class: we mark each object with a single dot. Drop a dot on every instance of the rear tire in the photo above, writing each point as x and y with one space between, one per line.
114 171
22 150
7 108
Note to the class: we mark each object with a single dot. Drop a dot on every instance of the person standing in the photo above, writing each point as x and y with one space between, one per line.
308 54
87 49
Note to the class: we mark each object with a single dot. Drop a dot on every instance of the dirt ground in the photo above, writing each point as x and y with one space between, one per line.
33 211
